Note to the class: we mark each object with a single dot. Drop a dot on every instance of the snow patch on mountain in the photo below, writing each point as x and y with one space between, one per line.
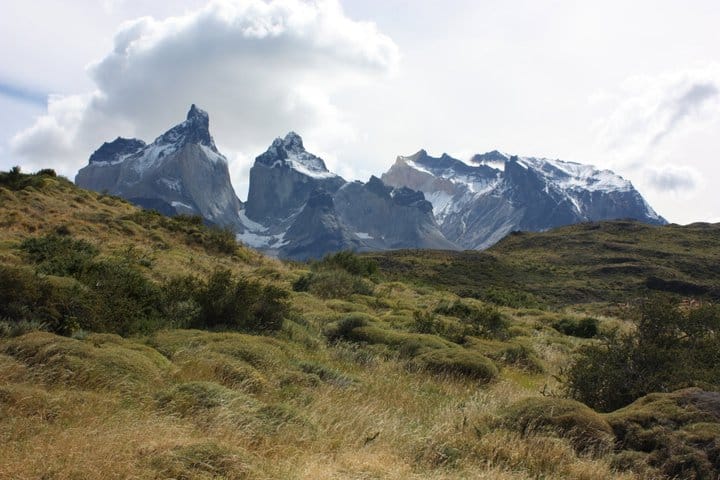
571 175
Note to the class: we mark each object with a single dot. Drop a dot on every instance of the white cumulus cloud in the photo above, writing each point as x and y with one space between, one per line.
260 68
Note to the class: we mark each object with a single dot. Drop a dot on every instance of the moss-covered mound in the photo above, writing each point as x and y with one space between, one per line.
675 434
100 361
459 361
198 461
587 429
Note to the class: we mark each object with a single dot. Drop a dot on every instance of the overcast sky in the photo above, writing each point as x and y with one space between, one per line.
630 86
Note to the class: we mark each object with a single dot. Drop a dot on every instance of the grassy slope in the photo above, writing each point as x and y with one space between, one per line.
598 262
194 404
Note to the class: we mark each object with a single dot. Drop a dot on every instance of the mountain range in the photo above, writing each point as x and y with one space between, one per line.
296 208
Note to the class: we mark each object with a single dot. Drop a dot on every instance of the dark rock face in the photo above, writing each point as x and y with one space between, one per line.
477 205
180 172
317 230
116 150
297 209
389 218
282 179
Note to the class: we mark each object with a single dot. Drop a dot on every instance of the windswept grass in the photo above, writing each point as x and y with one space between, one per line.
387 375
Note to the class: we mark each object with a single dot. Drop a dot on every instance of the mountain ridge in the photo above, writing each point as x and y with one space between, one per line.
420 202
477 205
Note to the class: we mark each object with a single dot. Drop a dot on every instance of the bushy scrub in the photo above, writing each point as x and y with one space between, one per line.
212 238
350 262
484 320
126 301
670 348
59 254
338 275
29 300
587 327
16 180
333 283
114 294
239 303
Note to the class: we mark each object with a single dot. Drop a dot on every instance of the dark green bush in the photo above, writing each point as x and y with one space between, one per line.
338 275
16 180
225 301
213 239
221 240
28 299
192 220
486 320
350 262
59 254
333 283
671 348
114 294
587 327
426 322
509 298
126 301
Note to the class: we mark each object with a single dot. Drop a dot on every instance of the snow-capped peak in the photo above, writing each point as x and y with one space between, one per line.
117 150
573 176
290 152
194 130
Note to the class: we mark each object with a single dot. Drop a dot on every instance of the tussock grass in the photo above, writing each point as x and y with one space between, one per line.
383 380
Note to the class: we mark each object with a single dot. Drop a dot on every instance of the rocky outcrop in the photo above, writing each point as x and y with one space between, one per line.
181 172
477 204
298 209
282 179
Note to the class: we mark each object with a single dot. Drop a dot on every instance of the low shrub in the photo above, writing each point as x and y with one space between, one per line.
59 254
333 283
16 328
484 320
225 301
14 179
670 348
126 301
587 327
28 299
459 361
348 261
510 298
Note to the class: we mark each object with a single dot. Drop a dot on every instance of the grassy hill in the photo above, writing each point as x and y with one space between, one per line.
137 346
613 261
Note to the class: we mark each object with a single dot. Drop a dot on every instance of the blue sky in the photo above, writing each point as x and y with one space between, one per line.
631 86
